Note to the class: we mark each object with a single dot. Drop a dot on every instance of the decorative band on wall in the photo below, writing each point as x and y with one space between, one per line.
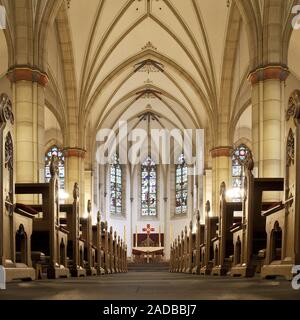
221 152
27 73
270 72
74 152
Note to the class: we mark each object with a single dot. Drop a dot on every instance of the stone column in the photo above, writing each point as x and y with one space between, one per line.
74 167
221 172
29 101
267 122
190 200
88 187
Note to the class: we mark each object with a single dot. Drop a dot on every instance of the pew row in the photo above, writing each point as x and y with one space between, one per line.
249 238
49 238
222 244
283 221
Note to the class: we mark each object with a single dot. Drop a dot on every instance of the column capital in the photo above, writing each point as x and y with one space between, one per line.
269 72
27 73
74 152
221 152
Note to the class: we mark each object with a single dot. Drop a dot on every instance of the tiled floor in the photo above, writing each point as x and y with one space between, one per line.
151 286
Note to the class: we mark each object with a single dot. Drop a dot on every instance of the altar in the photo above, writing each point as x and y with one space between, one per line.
148 247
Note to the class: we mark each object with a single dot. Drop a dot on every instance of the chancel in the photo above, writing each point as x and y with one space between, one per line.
149 149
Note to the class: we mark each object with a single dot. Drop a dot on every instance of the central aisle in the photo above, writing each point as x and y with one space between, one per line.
156 285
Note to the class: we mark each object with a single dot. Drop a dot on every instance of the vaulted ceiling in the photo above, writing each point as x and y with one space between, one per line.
187 39
110 59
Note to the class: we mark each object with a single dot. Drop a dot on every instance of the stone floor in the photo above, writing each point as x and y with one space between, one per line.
151 286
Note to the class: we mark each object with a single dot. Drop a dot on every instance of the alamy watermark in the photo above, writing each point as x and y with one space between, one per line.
162 145
296 279
296 19
2 18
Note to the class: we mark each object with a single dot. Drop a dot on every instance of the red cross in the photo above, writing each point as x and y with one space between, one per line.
148 229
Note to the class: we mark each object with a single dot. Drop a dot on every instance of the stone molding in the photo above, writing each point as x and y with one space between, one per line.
27 73
221 152
74 152
269 72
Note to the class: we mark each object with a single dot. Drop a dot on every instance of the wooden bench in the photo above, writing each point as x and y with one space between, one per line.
283 220
76 244
249 238
211 225
15 221
223 243
48 235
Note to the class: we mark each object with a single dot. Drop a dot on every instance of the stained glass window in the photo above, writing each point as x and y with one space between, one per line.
238 159
149 189
116 187
57 152
181 180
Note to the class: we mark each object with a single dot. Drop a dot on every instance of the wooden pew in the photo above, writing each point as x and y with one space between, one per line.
90 247
199 241
75 248
206 248
185 251
223 243
283 221
49 238
173 257
15 220
190 249
250 237
98 240
106 249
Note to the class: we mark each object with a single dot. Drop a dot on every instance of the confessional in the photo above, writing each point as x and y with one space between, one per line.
206 249
283 221
222 244
15 220
249 237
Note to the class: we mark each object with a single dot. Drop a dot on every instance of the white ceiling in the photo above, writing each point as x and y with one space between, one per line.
187 37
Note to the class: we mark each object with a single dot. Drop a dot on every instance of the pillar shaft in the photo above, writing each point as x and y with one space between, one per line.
267 122
29 102
74 167
221 172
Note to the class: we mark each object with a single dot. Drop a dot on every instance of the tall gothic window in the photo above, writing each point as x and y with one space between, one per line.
55 151
238 159
149 188
116 187
181 180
